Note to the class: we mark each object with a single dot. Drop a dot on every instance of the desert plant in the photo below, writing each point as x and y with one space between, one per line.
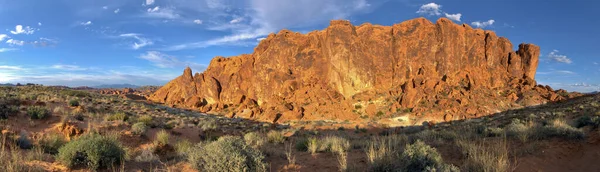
302 144
139 128
335 144
52 142
421 157
23 141
37 112
312 145
587 120
92 150
228 153
147 155
146 119
162 138
7 110
73 102
183 147
254 139
275 137
117 117
558 128
383 153
517 129
481 157
208 125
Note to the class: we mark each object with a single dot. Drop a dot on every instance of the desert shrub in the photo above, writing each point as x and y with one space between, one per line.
560 129
479 157
75 93
146 119
73 102
383 153
93 151
147 155
183 147
117 117
52 142
208 125
139 128
38 112
489 131
7 110
517 129
162 138
254 139
421 157
312 145
302 144
275 137
228 153
334 144
587 120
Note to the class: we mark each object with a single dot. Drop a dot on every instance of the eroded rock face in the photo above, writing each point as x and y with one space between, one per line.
443 70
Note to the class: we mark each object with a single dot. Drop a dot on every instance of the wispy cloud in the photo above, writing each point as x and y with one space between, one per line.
430 9
15 42
198 21
162 60
117 11
3 37
554 56
484 24
19 29
68 67
149 2
162 13
141 41
555 72
10 67
86 23
7 49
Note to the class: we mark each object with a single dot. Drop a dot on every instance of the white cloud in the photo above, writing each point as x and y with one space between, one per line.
105 7
10 67
162 13
261 17
141 41
149 2
67 67
430 9
117 11
554 56
197 21
7 49
155 9
483 24
455 17
19 29
236 20
86 23
3 37
39 24
162 60
15 42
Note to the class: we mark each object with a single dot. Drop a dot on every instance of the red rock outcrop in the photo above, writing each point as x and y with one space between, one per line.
443 70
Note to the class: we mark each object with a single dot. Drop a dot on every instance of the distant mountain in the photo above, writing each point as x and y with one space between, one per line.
7 84
116 86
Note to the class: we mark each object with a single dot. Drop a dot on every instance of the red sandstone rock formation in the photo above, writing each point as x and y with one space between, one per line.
443 70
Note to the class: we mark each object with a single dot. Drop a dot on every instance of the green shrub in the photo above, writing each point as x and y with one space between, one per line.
228 153
518 130
586 120
117 117
254 139
334 144
559 129
23 141
139 128
421 157
383 153
275 137
75 93
93 151
7 110
162 138
146 119
208 125
312 145
302 144
52 142
183 147
37 112
74 103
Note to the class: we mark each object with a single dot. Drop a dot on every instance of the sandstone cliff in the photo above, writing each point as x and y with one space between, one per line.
444 70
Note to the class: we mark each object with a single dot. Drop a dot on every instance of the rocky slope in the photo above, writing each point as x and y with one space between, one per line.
442 70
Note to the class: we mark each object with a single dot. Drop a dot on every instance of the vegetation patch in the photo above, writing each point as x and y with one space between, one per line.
93 151
228 153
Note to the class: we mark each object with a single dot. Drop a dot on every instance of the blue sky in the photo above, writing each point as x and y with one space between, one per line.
149 42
